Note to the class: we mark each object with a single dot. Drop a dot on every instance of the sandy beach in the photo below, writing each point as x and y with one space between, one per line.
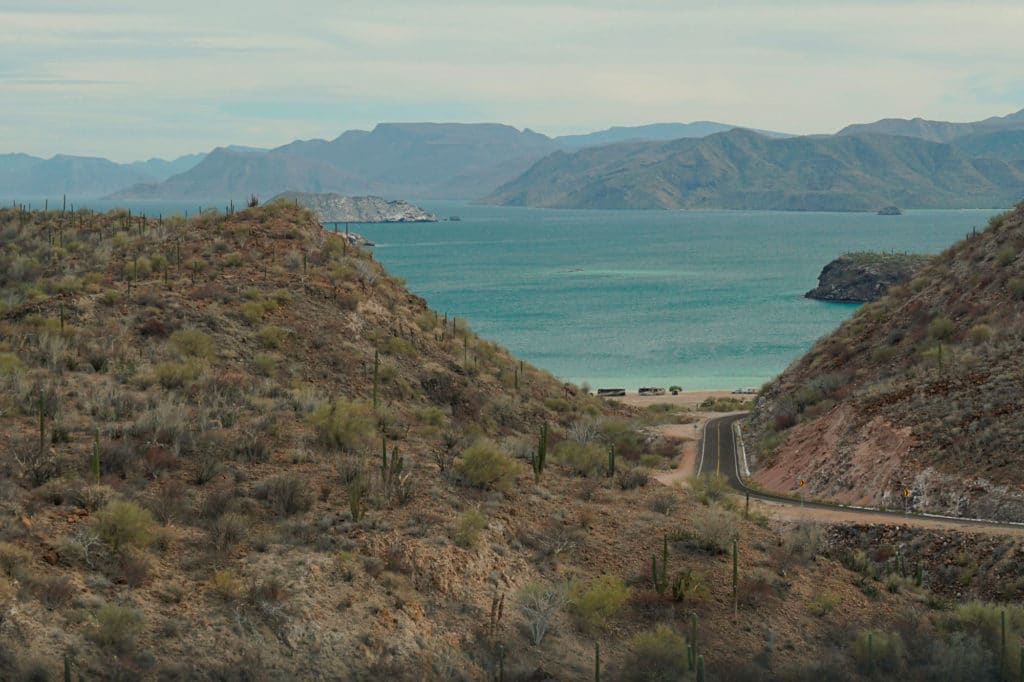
684 399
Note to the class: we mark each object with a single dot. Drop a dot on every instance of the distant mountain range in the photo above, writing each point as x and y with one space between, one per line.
654 131
740 169
22 175
909 163
408 160
936 131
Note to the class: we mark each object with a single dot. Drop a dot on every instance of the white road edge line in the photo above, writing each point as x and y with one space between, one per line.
703 446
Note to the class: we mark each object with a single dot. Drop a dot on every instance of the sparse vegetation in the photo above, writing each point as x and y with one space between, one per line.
211 497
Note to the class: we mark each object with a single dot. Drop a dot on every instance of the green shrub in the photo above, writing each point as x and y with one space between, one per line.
138 268
593 605
584 459
117 627
273 337
10 365
287 494
1005 256
347 425
176 374
883 354
252 311
265 363
716 529
226 585
1016 287
233 259
467 530
941 328
876 650
427 320
633 477
192 342
652 461
710 488
557 404
979 334
123 524
485 465
656 655
823 603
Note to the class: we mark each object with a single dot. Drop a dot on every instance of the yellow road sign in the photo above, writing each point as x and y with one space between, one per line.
802 483
906 492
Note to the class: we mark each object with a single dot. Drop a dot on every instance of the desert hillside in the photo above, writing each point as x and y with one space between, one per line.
922 390
235 448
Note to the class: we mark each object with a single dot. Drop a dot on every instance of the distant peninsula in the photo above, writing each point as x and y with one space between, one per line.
740 169
338 208
865 276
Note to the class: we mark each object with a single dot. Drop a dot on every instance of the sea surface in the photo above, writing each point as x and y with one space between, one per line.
701 299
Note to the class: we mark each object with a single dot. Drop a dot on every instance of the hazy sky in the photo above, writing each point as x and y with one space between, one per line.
131 80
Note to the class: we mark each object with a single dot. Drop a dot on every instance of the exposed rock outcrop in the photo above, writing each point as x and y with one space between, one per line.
864 276
338 208
916 399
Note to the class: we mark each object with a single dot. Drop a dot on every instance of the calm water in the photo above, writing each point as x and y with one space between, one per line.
703 299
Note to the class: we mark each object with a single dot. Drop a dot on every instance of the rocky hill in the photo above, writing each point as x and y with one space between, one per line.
336 208
740 169
937 131
864 276
233 447
921 390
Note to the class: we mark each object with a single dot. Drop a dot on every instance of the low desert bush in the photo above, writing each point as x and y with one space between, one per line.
467 530
877 651
633 477
171 375
117 627
539 603
485 465
583 459
287 494
709 489
349 426
594 604
656 655
192 343
226 585
123 523
716 529
272 337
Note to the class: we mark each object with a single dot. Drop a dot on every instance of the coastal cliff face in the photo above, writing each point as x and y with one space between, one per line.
338 208
863 277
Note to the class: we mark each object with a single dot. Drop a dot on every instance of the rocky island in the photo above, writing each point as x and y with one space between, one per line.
338 208
864 276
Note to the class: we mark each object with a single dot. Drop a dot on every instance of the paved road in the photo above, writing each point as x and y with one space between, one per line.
719 454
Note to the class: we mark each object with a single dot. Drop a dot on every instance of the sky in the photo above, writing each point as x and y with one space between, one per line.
140 79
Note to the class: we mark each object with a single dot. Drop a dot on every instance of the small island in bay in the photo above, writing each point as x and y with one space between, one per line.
890 210
338 208
865 276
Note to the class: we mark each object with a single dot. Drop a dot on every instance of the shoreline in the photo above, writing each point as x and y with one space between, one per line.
687 398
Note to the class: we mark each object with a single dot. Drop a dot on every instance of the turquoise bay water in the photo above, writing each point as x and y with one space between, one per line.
703 299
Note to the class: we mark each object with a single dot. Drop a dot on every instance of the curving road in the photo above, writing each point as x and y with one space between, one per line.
718 454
